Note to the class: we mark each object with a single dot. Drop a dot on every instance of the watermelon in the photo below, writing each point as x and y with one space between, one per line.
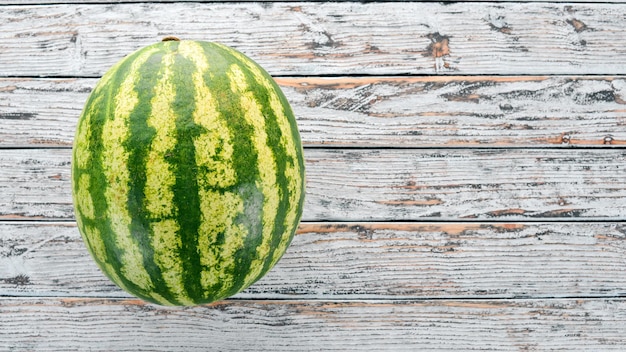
187 173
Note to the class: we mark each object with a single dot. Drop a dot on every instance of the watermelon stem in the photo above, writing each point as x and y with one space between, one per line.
170 38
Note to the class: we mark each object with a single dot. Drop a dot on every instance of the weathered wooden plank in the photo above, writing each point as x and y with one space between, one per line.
364 261
379 111
41 112
460 111
465 184
41 2
35 184
388 184
52 324
326 38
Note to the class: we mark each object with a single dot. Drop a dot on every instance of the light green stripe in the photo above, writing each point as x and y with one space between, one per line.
159 174
115 131
83 197
82 154
98 250
82 148
266 166
164 238
81 158
219 211
214 151
160 178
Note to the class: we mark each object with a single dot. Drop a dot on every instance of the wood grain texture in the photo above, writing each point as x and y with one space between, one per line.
41 112
378 111
326 38
52 324
380 261
512 184
388 184
41 2
35 184
460 111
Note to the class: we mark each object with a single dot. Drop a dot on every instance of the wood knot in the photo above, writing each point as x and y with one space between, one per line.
579 26
439 45
438 49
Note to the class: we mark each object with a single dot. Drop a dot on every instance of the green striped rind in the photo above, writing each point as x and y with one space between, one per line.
187 173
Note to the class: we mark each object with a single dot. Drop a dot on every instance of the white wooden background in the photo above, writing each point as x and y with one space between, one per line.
466 177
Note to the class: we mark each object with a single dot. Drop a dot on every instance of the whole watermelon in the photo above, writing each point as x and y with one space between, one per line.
187 173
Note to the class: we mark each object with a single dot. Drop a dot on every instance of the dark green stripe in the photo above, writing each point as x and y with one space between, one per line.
85 123
245 161
299 161
101 113
183 158
281 158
